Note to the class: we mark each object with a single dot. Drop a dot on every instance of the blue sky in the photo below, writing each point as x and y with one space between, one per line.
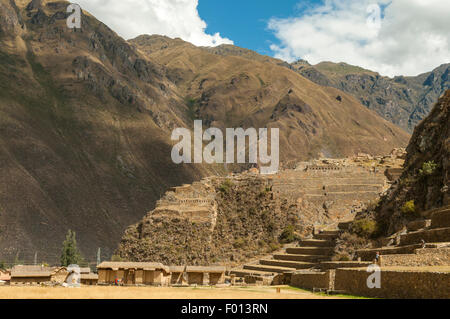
245 21
392 37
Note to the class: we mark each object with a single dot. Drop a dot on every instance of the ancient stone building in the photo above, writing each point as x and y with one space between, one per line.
38 275
132 273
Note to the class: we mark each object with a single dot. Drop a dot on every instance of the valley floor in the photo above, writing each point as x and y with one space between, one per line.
96 292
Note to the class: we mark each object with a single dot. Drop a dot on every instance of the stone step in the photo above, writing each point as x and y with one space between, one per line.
247 272
316 243
276 269
437 235
325 236
310 250
418 224
327 265
331 232
429 213
304 258
287 263
440 219
369 254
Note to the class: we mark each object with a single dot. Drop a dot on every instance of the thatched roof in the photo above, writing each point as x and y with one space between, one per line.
132 265
85 270
177 268
89 276
31 271
210 269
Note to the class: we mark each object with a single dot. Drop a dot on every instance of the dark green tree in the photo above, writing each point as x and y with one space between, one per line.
70 254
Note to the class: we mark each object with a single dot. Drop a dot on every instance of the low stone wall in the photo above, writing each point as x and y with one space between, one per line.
369 254
422 257
430 236
311 280
396 284
419 224
327 265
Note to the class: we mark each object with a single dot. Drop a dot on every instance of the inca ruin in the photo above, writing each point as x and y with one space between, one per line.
193 149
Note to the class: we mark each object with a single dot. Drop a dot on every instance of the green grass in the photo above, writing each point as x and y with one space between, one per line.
323 294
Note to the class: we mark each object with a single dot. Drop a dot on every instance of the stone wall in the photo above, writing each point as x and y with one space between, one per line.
396 284
337 191
311 280
422 257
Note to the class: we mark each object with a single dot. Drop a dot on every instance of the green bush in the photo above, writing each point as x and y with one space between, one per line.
428 168
226 186
239 243
288 235
274 246
409 208
342 257
365 227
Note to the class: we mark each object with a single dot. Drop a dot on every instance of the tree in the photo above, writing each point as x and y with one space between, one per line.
70 254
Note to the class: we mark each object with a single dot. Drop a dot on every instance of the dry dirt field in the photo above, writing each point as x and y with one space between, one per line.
96 292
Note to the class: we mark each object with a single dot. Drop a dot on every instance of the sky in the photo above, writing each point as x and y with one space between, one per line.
392 37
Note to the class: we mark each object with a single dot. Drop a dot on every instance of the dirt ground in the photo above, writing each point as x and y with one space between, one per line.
96 292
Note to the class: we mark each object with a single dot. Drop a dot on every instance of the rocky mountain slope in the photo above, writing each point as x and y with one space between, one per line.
234 91
84 122
86 119
245 215
425 182
402 100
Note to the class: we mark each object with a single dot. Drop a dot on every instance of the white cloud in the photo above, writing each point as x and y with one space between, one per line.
413 38
173 18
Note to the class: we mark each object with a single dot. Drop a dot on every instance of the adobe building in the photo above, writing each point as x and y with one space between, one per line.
37 275
213 275
133 273
178 276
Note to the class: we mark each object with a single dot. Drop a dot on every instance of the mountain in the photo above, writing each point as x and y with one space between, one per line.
425 182
84 122
235 91
86 119
402 100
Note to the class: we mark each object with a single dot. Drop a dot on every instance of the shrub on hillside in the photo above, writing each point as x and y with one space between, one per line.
409 208
346 246
428 168
239 243
288 235
365 227
226 186
342 257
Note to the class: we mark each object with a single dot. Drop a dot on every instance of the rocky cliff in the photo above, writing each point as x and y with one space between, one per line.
402 100
424 184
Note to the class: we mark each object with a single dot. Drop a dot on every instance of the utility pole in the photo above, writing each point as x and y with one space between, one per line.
35 258
99 251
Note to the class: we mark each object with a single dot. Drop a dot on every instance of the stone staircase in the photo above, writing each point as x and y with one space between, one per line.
433 229
310 256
